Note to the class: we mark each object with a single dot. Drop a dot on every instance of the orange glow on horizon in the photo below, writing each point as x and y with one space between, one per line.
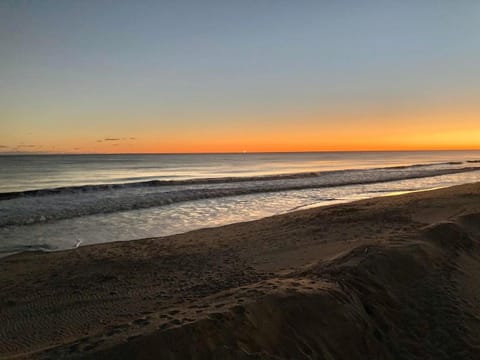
361 131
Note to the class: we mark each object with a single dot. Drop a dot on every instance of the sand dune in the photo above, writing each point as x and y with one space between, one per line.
388 278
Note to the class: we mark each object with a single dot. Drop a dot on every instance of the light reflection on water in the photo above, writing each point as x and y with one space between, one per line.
28 172
186 216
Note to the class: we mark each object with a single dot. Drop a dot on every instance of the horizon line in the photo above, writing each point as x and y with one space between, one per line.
228 152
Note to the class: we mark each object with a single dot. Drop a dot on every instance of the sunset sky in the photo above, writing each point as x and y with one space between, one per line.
228 76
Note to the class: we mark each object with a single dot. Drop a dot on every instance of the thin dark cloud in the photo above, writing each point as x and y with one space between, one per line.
4 147
26 146
116 139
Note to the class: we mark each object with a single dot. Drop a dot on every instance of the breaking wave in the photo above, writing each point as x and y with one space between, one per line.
26 207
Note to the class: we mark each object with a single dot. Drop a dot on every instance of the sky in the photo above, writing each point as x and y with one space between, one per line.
230 76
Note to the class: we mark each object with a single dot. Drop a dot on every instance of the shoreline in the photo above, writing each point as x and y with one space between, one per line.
300 208
343 280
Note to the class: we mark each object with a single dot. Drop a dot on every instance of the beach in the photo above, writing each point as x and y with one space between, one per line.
240 180
393 277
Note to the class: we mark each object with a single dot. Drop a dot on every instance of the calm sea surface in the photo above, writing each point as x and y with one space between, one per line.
50 202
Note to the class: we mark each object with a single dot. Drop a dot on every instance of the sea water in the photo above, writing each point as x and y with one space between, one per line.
53 202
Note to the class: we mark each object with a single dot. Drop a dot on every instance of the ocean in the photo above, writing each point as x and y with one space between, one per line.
55 202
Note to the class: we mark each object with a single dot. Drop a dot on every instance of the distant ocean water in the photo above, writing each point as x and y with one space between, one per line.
51 202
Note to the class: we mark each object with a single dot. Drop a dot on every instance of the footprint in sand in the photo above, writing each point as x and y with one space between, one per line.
141 322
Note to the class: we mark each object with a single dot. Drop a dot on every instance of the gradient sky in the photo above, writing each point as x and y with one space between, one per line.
227 76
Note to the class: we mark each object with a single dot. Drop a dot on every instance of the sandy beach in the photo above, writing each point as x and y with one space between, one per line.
395 277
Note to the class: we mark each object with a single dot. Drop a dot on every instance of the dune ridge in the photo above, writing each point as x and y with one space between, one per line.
385 278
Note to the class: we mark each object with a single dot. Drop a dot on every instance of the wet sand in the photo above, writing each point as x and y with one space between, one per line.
386 278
